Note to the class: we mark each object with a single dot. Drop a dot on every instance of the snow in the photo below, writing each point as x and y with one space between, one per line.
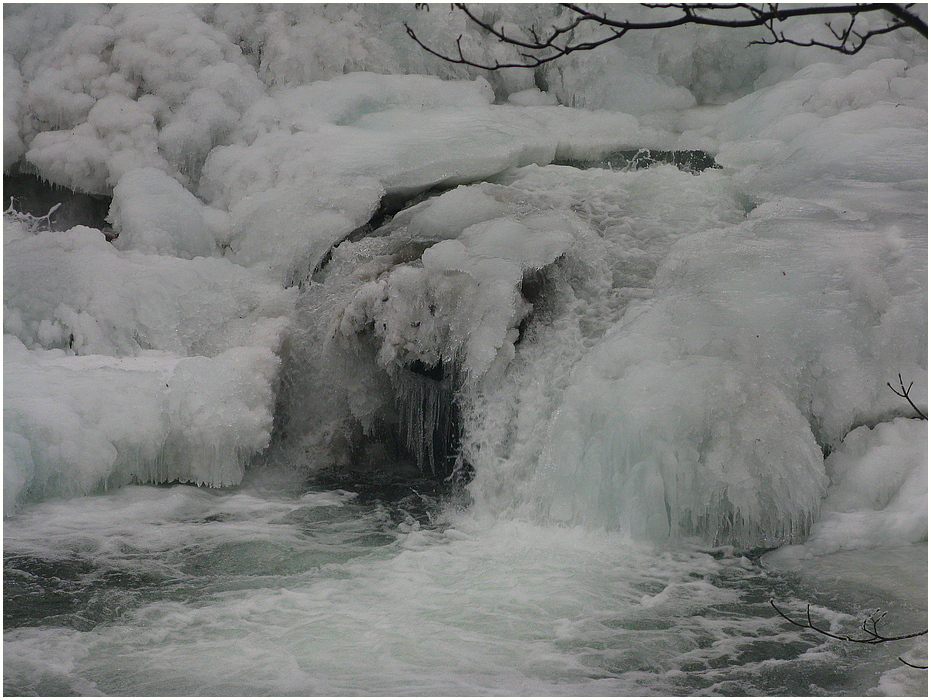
139 86
13 146
664 353
73 424
75 285
878 493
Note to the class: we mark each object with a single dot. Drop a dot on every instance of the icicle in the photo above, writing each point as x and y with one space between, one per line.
427 415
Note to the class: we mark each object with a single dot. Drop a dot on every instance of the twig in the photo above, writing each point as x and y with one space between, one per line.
912 665
555 42
904 395
869 626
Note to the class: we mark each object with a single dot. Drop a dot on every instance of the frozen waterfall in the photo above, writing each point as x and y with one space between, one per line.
646 314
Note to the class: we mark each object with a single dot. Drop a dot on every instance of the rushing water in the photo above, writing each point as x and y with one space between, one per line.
274 589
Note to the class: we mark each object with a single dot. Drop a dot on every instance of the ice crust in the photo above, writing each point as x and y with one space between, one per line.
659 352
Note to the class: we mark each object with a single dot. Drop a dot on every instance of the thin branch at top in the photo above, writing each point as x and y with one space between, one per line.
543 47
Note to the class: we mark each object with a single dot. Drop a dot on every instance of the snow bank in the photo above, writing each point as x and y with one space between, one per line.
311 163
410 132
286 230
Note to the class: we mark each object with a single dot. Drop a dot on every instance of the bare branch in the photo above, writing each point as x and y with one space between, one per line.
912 665
542 47
869 626
904 394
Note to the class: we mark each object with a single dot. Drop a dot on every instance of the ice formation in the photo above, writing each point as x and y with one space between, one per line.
124 366
663 352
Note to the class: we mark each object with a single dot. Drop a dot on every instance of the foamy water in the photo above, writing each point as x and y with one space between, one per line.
250 591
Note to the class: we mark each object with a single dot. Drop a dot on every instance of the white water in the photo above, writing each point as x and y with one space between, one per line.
641 371
257 591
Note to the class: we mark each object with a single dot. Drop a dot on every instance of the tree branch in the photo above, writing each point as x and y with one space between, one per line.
869 627
904 395
541 48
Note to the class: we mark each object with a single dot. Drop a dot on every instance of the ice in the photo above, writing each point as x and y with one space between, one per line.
448 215
136 87
338 257
94 299
865 124
123 366
75 424
878 493
718 374
152 213
409 149
426 416
286 230
660 352
13 146
462 306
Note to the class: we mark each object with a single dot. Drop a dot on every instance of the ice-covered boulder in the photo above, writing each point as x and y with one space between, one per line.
462 304
706 409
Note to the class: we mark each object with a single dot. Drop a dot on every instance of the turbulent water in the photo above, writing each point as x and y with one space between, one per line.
272 589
